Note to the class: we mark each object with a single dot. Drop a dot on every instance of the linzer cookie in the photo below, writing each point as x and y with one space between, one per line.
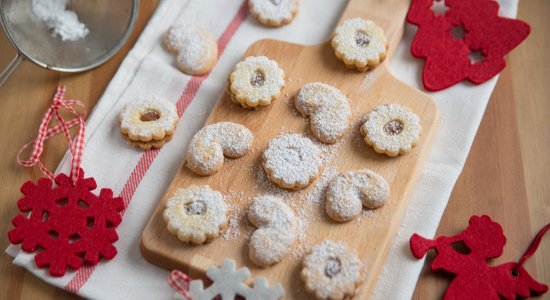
208 147
391 129
256 81
276 233
348 192
360 44
196 50
292 161
331 271
195 214
274 13
329 110
148 122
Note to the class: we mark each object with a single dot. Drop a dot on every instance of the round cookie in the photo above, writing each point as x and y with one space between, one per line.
149 119
328 108
274 13
330 271
348 192
391 129
195 214
292 161
208 147
360 44
276 233
196 49
256 81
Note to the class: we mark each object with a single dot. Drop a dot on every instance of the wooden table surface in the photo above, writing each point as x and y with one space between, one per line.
506 174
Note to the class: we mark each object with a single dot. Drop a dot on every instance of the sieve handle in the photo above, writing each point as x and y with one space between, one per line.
16 61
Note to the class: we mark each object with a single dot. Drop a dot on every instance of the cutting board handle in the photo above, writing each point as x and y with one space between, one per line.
388 14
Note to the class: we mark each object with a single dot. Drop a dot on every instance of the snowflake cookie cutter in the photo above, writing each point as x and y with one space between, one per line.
228 282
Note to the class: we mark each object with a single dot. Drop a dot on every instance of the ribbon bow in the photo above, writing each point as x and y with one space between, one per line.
179 282
44 133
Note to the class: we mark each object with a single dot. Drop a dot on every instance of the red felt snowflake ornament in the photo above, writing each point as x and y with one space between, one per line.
474 279
449 57
62 219
70 223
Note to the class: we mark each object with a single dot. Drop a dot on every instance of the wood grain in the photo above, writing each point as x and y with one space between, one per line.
23 100
303 64
506 174
240 176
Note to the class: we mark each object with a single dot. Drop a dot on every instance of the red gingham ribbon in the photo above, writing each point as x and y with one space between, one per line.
179 282
45 133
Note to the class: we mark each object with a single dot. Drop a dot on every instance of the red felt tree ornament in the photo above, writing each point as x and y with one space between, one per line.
68 222
449 40
474 279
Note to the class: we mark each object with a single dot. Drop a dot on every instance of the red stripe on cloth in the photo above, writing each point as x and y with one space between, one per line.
83 274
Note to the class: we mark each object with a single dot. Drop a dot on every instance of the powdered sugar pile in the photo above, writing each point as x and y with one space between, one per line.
63 23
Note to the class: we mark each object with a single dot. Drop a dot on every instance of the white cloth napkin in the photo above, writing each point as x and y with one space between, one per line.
149 69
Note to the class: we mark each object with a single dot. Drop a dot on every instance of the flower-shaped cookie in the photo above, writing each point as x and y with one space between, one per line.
360 44
274 13
148 121
292 161
195 214
391 129
256 81
331 271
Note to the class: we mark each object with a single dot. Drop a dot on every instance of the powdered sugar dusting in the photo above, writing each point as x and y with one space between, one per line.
196 49
350 43
332 271
274 12
131 122
213 142
349 191
292 161
195 225
276 233
328 108
307 204
242 89
396 141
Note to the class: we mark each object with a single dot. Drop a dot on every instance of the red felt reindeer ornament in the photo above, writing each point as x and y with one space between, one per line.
474 279
62 219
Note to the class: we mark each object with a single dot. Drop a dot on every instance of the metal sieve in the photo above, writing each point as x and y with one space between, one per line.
110 24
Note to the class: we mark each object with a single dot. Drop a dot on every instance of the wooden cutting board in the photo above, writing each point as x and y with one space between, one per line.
242 179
